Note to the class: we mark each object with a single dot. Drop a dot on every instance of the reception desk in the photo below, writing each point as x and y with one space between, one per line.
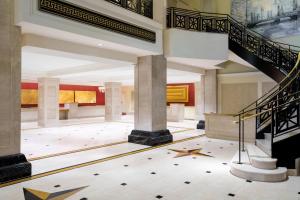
222 126
175 113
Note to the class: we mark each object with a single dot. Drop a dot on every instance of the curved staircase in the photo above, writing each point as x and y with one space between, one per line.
277 113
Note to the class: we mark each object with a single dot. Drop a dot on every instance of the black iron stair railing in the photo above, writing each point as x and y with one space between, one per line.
280 108
278 111
142 7
282 56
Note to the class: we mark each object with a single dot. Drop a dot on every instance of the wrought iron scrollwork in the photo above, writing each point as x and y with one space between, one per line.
143 7
281 56
279 111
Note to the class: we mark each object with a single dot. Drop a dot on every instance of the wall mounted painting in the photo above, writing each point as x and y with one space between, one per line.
178 94
66 96
85 96
29 97
271 18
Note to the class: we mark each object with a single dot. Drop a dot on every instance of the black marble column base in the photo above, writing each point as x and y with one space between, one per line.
201 125
14 167
150 138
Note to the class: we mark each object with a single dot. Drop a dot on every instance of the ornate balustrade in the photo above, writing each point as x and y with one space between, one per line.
282 56
142 7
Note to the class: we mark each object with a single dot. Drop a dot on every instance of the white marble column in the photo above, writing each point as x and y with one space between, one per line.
10 79
150 110
199 99
113 101
160 11
48 105
210 91
13 164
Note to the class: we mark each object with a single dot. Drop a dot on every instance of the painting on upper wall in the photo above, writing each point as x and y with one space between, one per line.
85 96
29 97
66 96
271 18
178 94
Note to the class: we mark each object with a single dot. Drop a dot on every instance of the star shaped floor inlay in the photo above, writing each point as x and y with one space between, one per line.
191 152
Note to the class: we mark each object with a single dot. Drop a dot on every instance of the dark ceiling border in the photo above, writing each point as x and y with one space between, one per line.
83 15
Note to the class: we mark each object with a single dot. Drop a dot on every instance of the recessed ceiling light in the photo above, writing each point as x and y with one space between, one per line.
99 45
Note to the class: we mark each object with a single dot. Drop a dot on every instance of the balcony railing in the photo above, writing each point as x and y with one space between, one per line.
142 7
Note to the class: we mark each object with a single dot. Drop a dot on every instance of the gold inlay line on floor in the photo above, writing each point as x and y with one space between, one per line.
85 123
93 162
75 151
89 148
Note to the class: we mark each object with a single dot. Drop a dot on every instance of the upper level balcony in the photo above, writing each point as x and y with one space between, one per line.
142 7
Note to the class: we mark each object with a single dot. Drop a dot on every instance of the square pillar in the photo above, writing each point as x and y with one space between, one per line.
48 103
206 96
210 91
13 164
150 109
199 99
113 101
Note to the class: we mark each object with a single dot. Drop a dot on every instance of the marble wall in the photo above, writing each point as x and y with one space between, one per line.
235 91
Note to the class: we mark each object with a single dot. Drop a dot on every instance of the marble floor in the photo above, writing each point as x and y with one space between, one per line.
146 173
78 141
81 134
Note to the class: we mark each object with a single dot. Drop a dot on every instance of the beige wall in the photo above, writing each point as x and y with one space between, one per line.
237 96
236 91
219 6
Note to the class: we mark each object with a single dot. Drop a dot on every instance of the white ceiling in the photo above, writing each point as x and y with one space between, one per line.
44 63
201 63
81 71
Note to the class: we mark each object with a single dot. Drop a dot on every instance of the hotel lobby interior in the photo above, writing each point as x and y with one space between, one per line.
149 99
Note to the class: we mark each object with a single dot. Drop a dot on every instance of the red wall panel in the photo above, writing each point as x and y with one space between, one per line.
100 97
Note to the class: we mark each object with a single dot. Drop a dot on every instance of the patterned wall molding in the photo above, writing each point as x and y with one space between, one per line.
87 16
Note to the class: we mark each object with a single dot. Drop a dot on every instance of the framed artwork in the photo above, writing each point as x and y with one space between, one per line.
85 96
178 94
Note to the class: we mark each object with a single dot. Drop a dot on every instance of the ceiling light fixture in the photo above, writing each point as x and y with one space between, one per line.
100 45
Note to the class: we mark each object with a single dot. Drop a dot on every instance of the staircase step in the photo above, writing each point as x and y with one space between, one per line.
250 172
264 145
260 159
268 136
254 151
263 163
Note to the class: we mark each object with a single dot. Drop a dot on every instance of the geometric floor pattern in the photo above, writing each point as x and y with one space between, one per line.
156 174
31 194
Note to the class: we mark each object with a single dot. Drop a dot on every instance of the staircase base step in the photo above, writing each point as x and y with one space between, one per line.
263 163
248 172
260 159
